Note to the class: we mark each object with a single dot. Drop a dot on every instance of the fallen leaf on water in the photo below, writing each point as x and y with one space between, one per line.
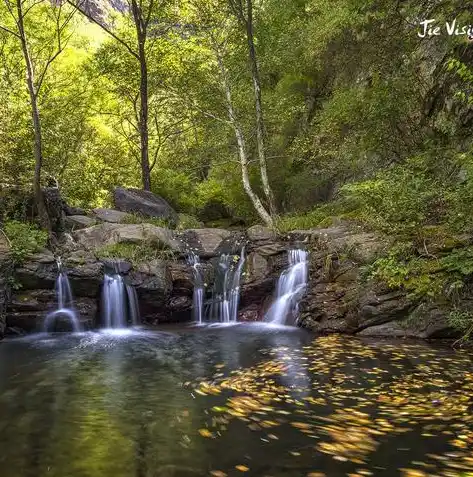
205 433
218 473
242 468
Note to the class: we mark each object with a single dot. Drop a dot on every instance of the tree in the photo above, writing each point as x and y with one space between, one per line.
243 10
37 66
144 19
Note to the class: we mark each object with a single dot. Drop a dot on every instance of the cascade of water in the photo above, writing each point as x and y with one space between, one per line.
226 291
291 286
65 306
119 302
198 296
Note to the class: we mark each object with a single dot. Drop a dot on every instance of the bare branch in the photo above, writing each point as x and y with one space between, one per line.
11 32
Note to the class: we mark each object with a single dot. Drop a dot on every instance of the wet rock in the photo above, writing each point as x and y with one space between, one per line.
110 215
153 284
38 272
6 270
105 234
75 222
143 202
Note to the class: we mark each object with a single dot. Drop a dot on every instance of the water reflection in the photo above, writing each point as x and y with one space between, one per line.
121 404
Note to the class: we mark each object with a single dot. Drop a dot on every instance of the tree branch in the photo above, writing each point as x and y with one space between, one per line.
106 29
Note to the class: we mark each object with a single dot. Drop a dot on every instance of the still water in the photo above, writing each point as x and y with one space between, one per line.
234 400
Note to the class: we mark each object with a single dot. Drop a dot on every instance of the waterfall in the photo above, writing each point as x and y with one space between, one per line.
225 299
65 306
119 302
291 286
198 295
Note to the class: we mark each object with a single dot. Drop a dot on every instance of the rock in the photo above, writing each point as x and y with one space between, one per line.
258 233
153 284
143 202
55 209
257 267
110 215
68 210
99 236
208 243
6 270
38 272
75 222
362 246
28 309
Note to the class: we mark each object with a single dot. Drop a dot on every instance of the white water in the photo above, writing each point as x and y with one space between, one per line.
65 307
226 292
291 286
198 295
120 303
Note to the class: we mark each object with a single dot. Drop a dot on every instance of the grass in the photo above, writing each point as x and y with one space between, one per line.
134 253
141 219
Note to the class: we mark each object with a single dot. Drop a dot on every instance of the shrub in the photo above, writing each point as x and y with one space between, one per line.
25 239
188 222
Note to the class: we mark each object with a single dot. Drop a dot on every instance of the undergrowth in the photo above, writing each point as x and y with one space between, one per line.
134 253
24 239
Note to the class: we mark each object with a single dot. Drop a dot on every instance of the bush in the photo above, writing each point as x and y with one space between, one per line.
25 239
188 222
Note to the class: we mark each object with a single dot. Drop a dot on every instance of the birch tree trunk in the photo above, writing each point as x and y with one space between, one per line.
260 129
241 145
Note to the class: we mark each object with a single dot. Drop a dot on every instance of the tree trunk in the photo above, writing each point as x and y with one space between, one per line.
256 201
260 130
38 149
143 119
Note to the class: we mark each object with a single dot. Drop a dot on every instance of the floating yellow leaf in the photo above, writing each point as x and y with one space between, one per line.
242 468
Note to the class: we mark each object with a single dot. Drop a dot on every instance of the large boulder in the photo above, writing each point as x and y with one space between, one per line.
98 236
144 203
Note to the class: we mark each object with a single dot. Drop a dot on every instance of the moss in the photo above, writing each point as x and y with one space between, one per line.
134 253
140 219
188 222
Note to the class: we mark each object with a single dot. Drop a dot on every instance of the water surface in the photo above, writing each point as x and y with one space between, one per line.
232 400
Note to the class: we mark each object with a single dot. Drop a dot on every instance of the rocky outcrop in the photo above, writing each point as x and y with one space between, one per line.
5 275
340 300
98 236
144 203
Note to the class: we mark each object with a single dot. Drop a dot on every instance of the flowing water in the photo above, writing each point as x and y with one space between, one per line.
291 286
256 400
198 294
223 305
119 302
65 315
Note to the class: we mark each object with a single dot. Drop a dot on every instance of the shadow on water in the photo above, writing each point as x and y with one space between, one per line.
128 402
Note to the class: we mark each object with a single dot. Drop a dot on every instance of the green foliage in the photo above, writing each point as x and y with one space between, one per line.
188 222
140 219
25 239
462 321
134 253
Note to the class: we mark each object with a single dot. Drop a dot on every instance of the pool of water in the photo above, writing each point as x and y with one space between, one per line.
232 400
